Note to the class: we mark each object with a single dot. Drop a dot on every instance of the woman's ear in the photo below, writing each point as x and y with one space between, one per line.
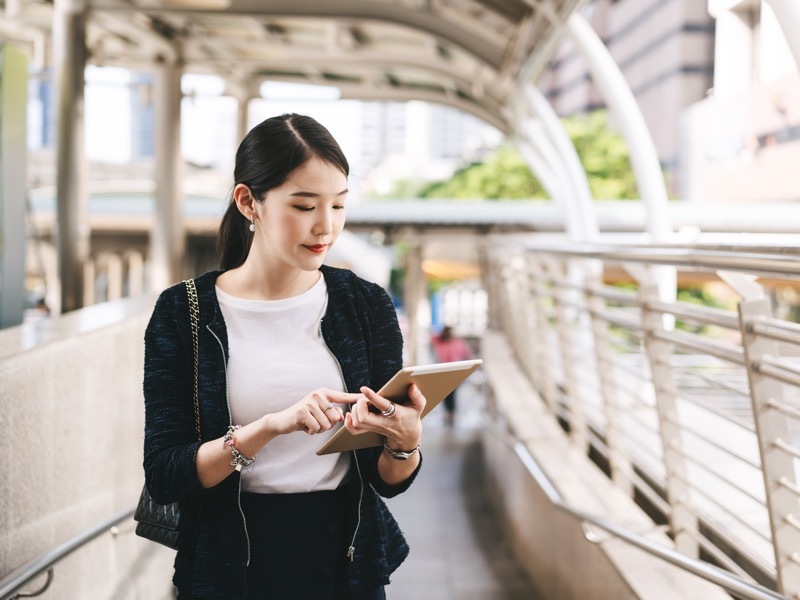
245 201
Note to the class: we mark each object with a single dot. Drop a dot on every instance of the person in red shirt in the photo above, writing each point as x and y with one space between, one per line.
448 347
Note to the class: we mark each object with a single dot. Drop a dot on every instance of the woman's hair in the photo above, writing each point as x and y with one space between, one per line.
266 157
446 333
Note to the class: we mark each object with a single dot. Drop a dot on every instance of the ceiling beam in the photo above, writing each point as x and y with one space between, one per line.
360 10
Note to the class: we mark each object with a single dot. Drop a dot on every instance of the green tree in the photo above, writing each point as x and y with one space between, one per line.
505 175
603 154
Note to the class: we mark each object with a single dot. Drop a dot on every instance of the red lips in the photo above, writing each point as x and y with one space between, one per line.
317 248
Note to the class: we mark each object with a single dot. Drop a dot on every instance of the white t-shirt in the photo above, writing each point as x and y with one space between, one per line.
278 356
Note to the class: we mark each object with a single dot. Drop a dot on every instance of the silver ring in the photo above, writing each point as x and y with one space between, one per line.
330 406
389 412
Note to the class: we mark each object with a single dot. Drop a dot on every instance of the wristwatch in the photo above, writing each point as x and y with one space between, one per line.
400 454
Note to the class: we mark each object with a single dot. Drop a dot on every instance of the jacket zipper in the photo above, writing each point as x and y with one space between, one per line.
230 422
352 548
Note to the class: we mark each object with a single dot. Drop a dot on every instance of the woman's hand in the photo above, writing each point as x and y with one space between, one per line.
313 414
402 430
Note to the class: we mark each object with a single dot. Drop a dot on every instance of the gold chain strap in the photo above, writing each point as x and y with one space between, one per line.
194 314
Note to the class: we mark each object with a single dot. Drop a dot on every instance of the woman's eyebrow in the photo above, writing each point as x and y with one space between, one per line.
305 194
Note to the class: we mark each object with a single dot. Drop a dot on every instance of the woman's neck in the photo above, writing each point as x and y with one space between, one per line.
253 283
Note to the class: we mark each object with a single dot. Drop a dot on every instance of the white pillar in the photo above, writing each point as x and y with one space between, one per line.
413 298
622 103
73 235
242 117
788 13
167 242
243 92
13 184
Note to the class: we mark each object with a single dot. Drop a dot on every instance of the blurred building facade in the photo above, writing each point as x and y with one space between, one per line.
716 83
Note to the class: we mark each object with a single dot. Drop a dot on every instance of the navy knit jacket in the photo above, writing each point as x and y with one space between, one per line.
360 328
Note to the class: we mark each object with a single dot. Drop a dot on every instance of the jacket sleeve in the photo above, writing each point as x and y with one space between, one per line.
170 438
387 359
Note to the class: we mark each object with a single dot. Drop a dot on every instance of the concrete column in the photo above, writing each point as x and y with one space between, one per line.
167 241
788 14
13 153
135 262
242 117
72 237
412 297
244 91
113 268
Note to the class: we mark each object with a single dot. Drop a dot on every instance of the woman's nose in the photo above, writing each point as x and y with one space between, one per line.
324 223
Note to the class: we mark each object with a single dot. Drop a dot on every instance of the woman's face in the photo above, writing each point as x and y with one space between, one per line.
298 222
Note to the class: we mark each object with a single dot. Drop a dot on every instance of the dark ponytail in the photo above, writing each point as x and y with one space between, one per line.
268 154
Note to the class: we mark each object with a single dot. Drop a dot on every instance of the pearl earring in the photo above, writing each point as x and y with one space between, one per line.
252 226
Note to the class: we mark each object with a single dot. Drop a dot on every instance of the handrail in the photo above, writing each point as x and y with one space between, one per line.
756 259
23 575
720 577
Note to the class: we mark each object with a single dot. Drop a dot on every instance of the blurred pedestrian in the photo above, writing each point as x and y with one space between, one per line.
448 347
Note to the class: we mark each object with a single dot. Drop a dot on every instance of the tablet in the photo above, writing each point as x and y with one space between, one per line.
434 381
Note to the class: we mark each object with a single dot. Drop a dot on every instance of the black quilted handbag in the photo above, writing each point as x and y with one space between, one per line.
167 523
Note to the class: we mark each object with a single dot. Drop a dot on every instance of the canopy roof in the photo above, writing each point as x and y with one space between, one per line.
468 54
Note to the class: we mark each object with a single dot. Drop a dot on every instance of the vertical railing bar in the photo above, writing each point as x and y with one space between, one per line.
539 290
659 348
770 425
578 429
618 460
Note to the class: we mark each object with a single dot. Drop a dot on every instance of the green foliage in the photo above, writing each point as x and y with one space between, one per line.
505 175
603 154
703 296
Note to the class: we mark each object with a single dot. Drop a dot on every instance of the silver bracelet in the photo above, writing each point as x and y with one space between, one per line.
400 454
239 459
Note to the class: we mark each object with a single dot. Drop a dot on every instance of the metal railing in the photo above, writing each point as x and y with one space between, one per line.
731 583
12 583
694 408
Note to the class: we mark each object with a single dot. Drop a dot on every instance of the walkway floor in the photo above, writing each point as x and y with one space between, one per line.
458 551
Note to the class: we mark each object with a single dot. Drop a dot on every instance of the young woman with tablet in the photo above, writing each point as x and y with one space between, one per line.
289 351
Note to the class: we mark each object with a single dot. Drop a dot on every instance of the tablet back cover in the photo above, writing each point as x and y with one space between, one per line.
434 381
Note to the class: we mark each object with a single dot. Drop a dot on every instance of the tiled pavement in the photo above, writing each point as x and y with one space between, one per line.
457 548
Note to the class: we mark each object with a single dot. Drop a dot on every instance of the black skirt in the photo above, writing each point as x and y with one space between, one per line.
298 546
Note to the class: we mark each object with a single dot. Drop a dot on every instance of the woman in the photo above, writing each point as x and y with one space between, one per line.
289 351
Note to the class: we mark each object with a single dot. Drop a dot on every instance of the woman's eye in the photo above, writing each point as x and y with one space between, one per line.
305 208
339 206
